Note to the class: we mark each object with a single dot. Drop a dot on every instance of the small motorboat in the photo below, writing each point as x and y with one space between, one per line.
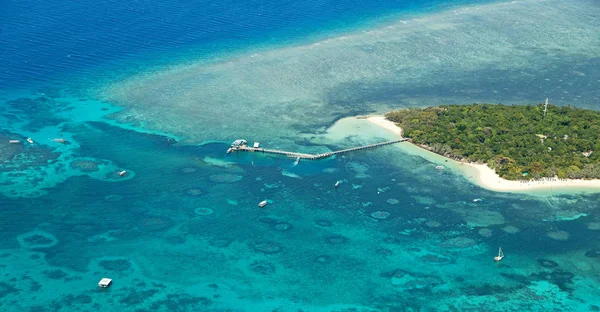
122 173
60 140
229 150
477 200
500 255
439 167
262 203
14 141
337 183
30 140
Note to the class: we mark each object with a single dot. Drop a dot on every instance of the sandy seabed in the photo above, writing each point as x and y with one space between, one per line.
486 177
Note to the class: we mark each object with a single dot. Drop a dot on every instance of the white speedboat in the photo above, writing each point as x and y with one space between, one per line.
30 140
337 183
262 203
122 173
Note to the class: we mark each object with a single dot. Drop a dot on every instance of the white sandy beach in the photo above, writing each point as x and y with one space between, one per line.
485 177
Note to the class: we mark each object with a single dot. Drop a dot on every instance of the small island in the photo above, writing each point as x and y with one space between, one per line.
519 142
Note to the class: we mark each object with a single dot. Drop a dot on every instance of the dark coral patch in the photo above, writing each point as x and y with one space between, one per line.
180 303
268 220
55 274
267 247
282 226
7 289
85 165
37 239
155 223
435 259
220 242
384 252
336 239
593 253
262 267
194 192
322 259
323 223
546 263
137 297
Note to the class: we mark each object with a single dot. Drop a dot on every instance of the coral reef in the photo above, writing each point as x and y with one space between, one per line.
336 239
203 211
267 247
225 178
458 242
380 215
558 235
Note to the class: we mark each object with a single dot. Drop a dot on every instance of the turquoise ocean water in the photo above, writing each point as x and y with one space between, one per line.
182 230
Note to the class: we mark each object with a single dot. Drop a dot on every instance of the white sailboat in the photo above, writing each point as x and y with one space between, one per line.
500 255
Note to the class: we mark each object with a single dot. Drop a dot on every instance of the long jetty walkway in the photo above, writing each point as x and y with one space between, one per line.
244 147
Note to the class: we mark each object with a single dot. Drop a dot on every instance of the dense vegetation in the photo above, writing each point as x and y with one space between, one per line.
518 142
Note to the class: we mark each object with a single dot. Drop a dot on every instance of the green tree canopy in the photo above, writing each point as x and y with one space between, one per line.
517 141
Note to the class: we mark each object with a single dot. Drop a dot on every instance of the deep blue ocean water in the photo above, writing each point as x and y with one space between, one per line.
182 230
42 41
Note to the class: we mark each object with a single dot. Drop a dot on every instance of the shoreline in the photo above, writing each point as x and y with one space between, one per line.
485 177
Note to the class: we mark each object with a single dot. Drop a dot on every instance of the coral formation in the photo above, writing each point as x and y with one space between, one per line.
558 235
203 211
458 242
267 247
225 178
85 165
380 215
485 232
336 239
510 229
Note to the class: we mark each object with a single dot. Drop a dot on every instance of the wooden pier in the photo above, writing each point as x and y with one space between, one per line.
244 147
